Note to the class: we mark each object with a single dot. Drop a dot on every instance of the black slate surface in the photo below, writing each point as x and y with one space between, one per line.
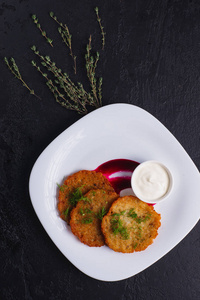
151 59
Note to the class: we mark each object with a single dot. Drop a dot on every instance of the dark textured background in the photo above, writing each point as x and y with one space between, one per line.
151 59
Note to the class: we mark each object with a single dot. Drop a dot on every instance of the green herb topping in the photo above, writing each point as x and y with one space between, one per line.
66 212
76 196
135 245
117 227
119 214
61 187
87 220
85 211
132 214
101 213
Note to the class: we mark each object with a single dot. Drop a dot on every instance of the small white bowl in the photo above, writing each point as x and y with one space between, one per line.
152 177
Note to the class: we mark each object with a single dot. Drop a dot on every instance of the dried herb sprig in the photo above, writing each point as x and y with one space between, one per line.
91 64
36 21
101 27
66 37
60 97
74 97
66 92
15 71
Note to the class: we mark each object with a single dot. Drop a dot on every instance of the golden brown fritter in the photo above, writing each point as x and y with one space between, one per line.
74 188
130 225
86 217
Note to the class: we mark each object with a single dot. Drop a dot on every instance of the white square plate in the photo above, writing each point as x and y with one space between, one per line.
111 132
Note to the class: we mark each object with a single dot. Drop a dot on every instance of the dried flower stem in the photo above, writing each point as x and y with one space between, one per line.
91 65
35 20
15 71
66 37
101 27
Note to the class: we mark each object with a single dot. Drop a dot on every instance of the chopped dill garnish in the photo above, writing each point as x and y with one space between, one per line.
58 185
139 234
66 212
142 219
117 227
86 199
119 214
87 220
76 196
101 213
61 187
148 216
132 214
85 211
135 246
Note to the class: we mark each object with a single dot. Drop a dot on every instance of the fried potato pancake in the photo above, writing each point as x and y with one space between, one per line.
86 217
130 225
74 188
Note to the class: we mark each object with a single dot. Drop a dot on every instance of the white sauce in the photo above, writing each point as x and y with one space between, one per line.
150 181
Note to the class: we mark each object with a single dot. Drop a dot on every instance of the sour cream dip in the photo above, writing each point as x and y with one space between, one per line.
151 181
